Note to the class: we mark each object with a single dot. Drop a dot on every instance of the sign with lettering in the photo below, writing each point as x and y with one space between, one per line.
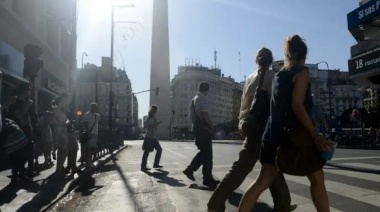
53 86
363 63
363 14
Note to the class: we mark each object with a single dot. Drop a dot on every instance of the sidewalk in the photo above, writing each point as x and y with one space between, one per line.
121 186
45 188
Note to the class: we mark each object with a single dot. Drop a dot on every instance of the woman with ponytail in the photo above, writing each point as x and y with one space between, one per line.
290 109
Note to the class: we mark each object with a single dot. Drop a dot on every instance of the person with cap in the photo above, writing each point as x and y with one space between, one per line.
252 127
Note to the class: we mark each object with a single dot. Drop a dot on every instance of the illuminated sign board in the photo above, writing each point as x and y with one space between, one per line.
365 62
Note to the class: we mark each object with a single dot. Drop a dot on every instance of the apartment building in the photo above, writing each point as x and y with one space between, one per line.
224 96
94 86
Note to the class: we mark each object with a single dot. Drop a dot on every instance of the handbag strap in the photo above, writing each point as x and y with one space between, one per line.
261 79
93 125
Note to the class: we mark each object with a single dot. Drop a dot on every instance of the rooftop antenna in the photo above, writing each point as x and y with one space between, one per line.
215 58
239 63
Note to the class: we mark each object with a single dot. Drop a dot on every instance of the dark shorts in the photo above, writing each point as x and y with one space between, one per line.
268 152
269 146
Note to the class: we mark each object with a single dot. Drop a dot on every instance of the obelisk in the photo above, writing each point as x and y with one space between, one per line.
160 67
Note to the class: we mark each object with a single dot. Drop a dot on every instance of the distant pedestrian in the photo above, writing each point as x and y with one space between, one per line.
289 112
90 121
203 132
13 142
19 112
44 127
150 140
72 145
252 127
60 136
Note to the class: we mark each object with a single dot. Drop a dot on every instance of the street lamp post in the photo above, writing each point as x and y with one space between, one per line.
111 74
328 84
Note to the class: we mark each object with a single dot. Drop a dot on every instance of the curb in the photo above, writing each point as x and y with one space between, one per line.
73 184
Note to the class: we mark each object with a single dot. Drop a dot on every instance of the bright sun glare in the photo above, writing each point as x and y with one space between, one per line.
101 8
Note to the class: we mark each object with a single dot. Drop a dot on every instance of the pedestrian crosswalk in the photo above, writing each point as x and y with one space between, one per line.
352 183
342 189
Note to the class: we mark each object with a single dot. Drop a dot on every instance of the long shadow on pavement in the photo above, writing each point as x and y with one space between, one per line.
370 171
234 199
9 192
116 167
49 190
163 177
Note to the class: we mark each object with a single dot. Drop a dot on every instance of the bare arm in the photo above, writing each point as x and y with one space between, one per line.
246 102
301 82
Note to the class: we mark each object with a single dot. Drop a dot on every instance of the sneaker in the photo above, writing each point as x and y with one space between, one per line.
145 168
291 208
16 180
189 174
211 183
157 166
26 178
90 165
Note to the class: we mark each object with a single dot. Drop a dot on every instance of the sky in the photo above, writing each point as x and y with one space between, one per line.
199 27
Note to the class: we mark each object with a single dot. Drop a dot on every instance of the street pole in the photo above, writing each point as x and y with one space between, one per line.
111 74
328 84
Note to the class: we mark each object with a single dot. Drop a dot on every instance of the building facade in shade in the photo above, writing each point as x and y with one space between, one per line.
48 24
224 96
364 65
94 86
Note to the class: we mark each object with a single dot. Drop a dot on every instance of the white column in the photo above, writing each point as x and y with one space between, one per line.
160 66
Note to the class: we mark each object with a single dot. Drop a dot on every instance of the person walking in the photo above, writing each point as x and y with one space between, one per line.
90 121
203 131
252 127
290 109
150 140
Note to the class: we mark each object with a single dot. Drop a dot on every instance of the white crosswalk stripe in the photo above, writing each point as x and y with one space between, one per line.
362 166
359 175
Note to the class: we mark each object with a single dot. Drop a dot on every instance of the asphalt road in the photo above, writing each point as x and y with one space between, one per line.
352 181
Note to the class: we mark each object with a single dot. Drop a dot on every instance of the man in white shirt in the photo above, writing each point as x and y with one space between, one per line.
90 122
203 131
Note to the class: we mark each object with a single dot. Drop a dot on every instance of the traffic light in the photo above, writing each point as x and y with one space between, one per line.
31 62
157 91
